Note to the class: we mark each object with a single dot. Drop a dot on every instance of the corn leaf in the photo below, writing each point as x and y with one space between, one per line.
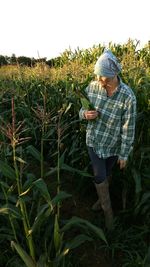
42 187
23 254
6 170
44 212
137 179
20 160
5 210
74 170
34 152
84 224
77 241
60 196
57 235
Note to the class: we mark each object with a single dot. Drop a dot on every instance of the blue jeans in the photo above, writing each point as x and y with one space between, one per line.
102 168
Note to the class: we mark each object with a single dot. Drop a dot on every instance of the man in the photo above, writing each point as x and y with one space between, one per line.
111 126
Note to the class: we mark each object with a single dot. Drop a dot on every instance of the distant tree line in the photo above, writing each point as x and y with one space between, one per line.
27 61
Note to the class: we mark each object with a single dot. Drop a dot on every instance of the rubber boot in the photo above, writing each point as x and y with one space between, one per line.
104 197
97 205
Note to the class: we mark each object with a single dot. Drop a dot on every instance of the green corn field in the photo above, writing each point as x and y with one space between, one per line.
44 165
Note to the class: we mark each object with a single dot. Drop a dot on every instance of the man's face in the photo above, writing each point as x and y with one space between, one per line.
106 82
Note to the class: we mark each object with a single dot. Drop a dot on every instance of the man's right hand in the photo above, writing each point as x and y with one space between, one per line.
91 114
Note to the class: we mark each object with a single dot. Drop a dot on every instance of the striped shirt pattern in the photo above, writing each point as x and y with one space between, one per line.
113 132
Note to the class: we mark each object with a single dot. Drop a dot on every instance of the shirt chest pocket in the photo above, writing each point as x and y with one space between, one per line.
114 108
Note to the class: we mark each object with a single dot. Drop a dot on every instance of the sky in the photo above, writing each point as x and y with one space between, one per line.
46 28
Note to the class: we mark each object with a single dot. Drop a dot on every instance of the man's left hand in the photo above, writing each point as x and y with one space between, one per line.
122 163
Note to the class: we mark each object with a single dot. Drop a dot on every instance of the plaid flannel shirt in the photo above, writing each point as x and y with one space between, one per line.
113 132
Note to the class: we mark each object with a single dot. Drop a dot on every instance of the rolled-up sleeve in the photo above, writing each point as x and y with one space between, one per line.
81 114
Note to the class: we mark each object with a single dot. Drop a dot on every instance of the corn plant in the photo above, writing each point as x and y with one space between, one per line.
13 133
